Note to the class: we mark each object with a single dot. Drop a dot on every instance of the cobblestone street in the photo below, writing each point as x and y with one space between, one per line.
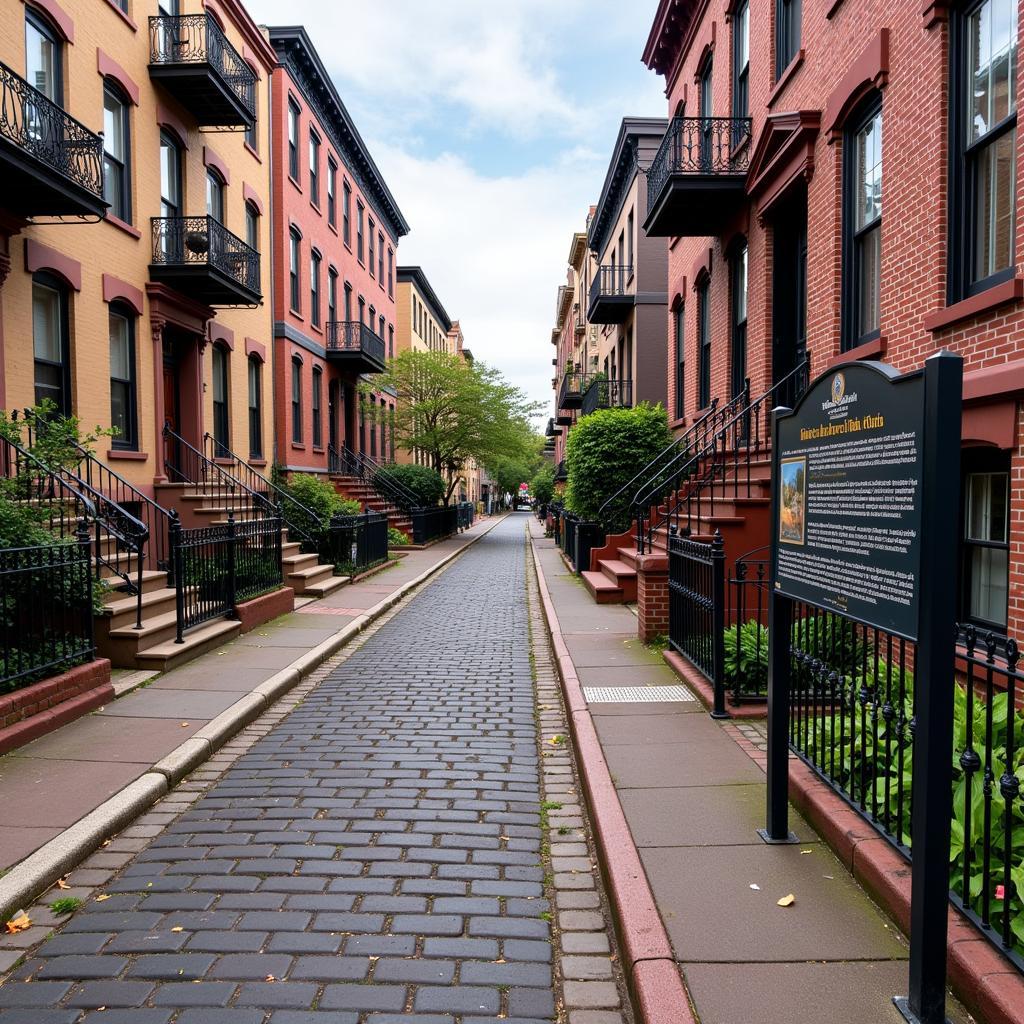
376 856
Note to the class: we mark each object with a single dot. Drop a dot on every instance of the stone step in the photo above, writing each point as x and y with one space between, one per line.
303 578
621 574
602 589
122 611
168 654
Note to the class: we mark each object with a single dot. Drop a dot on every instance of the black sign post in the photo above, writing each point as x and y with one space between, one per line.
865 506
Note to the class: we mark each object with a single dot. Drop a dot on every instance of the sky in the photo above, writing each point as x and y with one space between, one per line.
493 125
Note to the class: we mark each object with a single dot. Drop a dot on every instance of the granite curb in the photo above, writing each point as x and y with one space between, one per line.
42 868
659 995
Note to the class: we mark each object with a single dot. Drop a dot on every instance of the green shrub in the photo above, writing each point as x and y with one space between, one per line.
542 487
396 538
425 483
318 496
604 451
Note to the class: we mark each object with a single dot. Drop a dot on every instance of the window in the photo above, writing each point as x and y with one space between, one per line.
293 139
703 345
862 212
221 432
373 317
294 245
738 303
373 427
629 240
362 310
787 34
391 341
318 429
391 273
314 288
252 138
380 259
332 198
122 378
348 301
252 226
680 317
170 176
255 408
359 232
215 196
372 226
296 400
706 101
314 168
741 61
380 328
116 175
983 178
43 59
50 343
346 214
986 541
332 295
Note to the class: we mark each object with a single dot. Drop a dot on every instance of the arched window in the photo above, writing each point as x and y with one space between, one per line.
318 428
678 320
738 316
221 390
123 409
117 152
296 400
215 195
314 288
255 407
252 225
294 298
704 342
44 57
50 341
741 60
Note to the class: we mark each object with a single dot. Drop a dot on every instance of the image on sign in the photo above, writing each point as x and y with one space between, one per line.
793 514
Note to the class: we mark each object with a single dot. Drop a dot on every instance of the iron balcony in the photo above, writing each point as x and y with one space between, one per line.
607 394
697 181
355 346
203 260
551 430
51 165
610 297
570 394
190 56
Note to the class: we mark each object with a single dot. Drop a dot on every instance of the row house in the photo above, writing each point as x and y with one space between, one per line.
840 180
336 233
134 237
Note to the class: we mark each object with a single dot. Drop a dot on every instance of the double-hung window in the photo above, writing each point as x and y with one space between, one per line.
738 303
332 198
116 151
986 549
787 34
372 228
296 400
346 214
703 344
741 61
984 144
293 140
314 168
862 212
318 429
679 316
314 288
294 298
122 378
221 430
255 407
50 342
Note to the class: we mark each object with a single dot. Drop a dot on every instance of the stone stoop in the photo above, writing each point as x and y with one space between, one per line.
369 497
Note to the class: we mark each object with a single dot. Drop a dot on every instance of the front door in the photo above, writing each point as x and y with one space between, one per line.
332 413
172 407
789 293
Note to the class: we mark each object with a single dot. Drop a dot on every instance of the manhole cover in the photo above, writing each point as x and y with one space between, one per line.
638 694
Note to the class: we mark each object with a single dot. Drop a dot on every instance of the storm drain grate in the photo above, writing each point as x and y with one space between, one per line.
638 694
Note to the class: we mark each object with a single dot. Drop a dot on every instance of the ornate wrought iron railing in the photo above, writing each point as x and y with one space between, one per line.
611 281
35 124
607 394
198 39
353 336
204 241
574 384
699 146
345 462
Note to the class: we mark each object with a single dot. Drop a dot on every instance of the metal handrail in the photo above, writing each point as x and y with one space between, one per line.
355 336
46 132
350 463
257 481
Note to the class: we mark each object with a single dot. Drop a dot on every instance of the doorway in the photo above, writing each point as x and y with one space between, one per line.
172 408
789 291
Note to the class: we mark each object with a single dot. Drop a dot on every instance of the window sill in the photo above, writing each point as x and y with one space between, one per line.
348 245
676 424
122 225
294 181
333 227
998 295
296 315
128 454
784 79
318 450
123 15
317 328
316 206
222 461
257 460
833 8
296 446
255 155
869 350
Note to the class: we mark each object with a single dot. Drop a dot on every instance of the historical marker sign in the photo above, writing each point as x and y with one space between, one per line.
848 478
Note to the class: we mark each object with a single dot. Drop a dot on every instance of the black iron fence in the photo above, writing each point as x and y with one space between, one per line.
746 632
699 146
203 241
466 512
429 524
355 543
48 134
218 567
47 610
198 39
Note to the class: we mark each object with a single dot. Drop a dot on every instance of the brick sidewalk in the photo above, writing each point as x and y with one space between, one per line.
375 856
693 799
53 782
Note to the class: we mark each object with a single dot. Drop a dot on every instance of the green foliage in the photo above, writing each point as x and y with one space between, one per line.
455 410
426 483
65 905
54 439
746 658
542 487
312 494
604 451
397 539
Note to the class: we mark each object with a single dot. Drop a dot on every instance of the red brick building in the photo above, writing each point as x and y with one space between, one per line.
839 180
336 232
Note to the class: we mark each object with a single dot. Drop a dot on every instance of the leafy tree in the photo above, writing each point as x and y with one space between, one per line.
542 487
426 483
603 453
453 410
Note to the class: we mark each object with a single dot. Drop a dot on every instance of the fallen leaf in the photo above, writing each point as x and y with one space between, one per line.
755 886
270 977
102 899
787 901
18 923
61 884
804 853
184 725
177 928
